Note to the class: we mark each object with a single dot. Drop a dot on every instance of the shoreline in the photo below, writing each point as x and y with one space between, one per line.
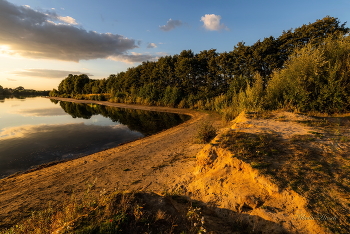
129 106
105 103
152 163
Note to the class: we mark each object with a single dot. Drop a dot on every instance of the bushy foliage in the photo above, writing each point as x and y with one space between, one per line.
316 78
206 132
21 91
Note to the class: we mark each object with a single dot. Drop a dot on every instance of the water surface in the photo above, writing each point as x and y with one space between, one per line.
35 131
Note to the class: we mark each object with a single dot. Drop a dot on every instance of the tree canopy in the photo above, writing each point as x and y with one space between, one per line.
192 80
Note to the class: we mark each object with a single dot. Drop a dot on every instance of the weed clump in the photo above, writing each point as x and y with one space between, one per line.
206 133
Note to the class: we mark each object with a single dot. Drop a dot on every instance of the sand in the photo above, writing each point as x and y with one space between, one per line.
150 164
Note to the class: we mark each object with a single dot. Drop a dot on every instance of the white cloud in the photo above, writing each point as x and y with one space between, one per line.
170 25
212 22
47 73
162 54
67 19
28 33
151 45
134 57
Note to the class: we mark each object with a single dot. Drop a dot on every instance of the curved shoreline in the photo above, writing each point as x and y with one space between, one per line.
105 103
152 163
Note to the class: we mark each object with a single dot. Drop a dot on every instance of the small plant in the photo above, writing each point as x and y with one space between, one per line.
206 133
259 165
194 215
344 139
302 138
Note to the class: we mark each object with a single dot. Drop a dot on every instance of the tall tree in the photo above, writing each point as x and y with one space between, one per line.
79 83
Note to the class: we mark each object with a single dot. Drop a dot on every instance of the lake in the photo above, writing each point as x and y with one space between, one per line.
36 130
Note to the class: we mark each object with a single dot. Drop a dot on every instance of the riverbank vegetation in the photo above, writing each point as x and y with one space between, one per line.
20 92
118 212
304 69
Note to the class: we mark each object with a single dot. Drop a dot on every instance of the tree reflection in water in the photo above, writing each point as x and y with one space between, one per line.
146 122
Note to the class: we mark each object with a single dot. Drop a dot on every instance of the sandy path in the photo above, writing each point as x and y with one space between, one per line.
152 163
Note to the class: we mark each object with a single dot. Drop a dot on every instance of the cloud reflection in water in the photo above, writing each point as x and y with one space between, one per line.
39 144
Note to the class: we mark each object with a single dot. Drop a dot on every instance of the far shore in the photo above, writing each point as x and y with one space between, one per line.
152 163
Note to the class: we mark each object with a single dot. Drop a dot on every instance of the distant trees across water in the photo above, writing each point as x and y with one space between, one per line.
20 91
305 69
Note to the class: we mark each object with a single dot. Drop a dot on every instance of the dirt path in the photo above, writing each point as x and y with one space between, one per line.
152 163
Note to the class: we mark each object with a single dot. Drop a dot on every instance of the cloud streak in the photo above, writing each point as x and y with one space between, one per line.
211 22
151 45
67 19
46 35
170 25
134 57
47 73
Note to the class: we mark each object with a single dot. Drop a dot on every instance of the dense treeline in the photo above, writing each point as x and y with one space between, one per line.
20 91
305 69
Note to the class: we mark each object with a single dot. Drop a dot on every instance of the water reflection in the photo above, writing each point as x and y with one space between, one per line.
26 146
37 131
40 112
4 97
146 122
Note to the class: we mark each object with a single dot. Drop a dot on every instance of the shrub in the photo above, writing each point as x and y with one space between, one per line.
206 132
182 103
316 78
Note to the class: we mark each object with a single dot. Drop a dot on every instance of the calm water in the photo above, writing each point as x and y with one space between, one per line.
35 131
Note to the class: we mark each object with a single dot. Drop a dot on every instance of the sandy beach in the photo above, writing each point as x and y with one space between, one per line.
152 163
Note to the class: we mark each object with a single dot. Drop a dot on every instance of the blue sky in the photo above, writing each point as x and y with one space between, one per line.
42 41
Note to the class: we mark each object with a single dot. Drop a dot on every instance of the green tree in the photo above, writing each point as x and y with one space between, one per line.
79 83
316 78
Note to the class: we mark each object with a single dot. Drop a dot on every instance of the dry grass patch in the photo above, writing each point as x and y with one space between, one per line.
118 212
316 166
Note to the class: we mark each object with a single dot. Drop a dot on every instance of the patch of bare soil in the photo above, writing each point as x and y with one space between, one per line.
281 172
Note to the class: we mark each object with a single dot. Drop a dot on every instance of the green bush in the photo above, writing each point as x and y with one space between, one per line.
206 132
316 78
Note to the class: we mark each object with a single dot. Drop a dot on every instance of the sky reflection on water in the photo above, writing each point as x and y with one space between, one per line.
35 131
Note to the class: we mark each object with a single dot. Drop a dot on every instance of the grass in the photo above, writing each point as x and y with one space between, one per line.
316 171
118 212
302 138
126 212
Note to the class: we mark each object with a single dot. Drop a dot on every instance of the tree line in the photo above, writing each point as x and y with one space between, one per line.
311 60
20 91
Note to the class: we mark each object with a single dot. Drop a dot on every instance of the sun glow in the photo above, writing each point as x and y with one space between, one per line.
4 48
5 51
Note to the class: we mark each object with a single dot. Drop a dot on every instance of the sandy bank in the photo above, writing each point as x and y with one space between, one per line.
152 163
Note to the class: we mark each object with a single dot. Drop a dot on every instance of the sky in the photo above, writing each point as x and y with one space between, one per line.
42 41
